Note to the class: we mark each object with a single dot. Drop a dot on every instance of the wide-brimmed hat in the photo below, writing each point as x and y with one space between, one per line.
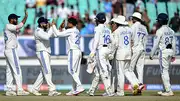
120 20
137 15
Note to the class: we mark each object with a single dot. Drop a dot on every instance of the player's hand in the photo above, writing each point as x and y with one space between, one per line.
173 59
63 24
25 12
150 57
53 22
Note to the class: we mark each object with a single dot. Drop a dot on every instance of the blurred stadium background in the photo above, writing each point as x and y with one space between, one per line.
84 11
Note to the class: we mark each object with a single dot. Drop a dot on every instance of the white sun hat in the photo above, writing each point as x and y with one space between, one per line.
120 20
137 15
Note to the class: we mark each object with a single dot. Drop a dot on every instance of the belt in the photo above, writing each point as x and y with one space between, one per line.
104 45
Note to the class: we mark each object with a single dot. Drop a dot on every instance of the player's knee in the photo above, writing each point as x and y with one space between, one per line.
97 79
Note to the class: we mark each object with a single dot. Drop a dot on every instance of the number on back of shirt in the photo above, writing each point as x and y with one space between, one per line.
106 37
141 34
168 40
77 40
126 40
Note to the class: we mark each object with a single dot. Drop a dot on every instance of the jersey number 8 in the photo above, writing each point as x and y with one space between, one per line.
126 40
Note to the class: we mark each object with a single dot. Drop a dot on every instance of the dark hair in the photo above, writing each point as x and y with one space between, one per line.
73 21
137 19
52 8
163 22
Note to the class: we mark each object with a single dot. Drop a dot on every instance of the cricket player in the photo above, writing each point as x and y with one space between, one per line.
100 48
139 39
43 50
74 54
13 68
122 37
166 42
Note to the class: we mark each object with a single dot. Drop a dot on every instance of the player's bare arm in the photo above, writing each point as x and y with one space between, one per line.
62 25
26 16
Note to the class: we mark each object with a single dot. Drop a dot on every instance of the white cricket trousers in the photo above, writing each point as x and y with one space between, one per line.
44 59
102 70
13 69
165 61
123 66
137 60
113 75
74 65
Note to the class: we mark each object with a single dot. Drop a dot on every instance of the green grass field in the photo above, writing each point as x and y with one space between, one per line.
147 96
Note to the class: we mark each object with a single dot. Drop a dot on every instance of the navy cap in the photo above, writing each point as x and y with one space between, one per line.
46 20
13 16
162 16
101 17
42 19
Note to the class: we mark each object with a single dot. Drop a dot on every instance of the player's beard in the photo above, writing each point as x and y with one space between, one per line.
45 27
14 22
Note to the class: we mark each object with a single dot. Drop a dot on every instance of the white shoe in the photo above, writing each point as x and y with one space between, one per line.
70 93
22 93
90 93
10 93
54 93
35 92
109 95
105 94
160 92
119 93
140 88
78 91
170 93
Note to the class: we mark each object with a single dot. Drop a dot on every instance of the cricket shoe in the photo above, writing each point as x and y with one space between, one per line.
140 88
109 95
35 92
105 94
54 93
160 92
10 93
135 89
78 91
70 93
170 93
90 93
22 93
119 93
